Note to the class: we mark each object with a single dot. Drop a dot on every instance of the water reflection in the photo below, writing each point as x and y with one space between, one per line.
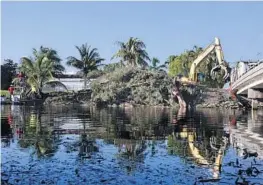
136 141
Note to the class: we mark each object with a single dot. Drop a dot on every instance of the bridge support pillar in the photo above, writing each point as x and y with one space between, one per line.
255 95
254 104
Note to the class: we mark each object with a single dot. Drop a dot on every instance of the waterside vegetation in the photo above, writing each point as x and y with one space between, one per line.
136 78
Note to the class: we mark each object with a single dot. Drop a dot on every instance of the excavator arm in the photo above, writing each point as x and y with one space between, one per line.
198 60
216 46
222 65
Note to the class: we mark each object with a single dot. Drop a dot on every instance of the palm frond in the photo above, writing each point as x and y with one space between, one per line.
72 61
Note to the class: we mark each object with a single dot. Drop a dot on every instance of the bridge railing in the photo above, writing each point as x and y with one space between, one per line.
252 73
236 77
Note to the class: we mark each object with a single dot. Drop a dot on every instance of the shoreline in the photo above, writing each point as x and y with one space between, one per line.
209 99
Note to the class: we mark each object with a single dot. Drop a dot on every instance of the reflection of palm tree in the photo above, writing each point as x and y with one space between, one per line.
38 136
175 146
87 147
130 153
131 149
153 147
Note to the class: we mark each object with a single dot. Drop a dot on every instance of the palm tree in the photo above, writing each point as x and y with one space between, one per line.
132 52
40 68
154 63
89 60
169 60
52 55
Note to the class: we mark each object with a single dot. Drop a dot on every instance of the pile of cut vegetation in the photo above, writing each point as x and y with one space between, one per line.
57 98
135 86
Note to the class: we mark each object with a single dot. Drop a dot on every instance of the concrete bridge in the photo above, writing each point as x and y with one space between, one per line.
250 84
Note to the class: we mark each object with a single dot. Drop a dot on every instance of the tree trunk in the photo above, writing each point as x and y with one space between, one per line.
85 81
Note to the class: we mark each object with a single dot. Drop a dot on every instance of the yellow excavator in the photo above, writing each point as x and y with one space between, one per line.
221 64
216 162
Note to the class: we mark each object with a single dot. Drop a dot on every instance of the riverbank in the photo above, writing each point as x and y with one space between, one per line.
208 98
138 87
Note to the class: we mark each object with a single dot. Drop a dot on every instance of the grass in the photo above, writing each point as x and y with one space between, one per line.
4 93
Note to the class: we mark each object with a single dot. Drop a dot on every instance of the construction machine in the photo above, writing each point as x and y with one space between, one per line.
221 64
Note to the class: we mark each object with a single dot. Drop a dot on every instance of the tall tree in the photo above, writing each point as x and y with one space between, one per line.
133 52
154 64
169 60
8 72
89 60
39 68
52 55
181 66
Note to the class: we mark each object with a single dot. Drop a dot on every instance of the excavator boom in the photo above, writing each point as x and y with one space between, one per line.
222 65
198 60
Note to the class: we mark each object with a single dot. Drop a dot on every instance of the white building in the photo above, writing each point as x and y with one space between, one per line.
72 82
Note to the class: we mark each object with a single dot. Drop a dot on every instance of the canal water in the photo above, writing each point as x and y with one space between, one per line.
85 145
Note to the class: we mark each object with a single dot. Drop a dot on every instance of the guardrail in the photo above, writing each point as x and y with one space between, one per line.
251 73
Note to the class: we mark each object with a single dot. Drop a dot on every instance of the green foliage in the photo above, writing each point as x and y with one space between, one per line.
175 67
112 67
40 68
4 93
89 60
132 52
133 85
154 64
169 60
181 65
175 146
205 68
51 55
8 72
95 74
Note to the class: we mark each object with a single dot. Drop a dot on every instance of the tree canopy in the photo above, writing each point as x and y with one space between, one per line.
180 65
8 72
132 52
45 63
154 64
39 68
89 60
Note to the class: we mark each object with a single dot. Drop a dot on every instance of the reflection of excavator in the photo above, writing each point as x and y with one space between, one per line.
222 65
200 159
190 136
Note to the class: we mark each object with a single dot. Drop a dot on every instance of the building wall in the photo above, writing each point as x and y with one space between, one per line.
72 84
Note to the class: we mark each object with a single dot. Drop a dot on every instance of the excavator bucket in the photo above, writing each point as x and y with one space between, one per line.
218 68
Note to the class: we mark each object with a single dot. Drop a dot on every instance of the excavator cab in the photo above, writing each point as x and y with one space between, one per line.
200 77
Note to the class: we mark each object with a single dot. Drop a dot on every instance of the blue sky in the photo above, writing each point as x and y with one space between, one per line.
166 27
